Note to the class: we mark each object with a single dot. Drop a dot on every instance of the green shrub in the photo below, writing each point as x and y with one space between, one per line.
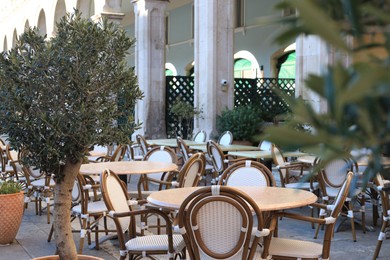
243 122
10 187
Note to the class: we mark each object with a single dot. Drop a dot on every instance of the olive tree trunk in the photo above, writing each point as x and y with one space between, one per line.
62 204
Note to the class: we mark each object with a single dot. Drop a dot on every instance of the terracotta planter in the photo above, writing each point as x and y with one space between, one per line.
11 213
56 257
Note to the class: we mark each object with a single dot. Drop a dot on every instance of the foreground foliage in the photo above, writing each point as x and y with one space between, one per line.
357 96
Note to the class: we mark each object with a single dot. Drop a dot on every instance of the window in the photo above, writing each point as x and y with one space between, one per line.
242 68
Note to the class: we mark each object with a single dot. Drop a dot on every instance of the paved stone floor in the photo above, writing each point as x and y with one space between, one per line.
31 240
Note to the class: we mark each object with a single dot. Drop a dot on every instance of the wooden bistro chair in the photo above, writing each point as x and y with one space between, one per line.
384 195
285 248
120 208
331 178
147 182
216 222
247 173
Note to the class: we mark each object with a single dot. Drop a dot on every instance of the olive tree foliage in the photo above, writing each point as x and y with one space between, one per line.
357 96
60 96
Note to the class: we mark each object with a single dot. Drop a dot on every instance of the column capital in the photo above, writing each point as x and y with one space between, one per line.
114 17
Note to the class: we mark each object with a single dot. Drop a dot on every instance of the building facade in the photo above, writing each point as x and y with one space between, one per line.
213 40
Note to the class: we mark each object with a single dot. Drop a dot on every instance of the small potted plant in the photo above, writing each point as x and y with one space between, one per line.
11 210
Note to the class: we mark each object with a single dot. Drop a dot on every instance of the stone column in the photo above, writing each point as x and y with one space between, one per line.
112 10
150 65
214 60
313 56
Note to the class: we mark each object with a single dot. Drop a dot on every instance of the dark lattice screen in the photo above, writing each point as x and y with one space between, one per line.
263 94
257 92
177 87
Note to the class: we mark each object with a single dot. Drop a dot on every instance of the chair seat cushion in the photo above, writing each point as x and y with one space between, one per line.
155 242
93 207
302 185
294 248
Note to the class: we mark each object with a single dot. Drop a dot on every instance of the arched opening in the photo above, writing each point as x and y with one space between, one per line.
170 69
58 14
284 62
26 25
5 45
42 23
14 38
286 65
246 66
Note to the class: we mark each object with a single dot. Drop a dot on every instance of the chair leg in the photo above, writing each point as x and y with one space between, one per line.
350 215
381 236
50 233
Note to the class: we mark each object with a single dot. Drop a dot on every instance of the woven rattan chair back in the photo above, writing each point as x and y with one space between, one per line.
119 153
217 221
200 136
247 173
116 198
183 147
265 145
142 143
192 171
226 138
160 154
333 173
280 161
217 156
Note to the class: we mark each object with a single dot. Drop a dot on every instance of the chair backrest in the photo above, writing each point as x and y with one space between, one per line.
142 143
13 158
200 136
265 145
116 198
119 153
226 138
333 173
336 210
279 160
192 171
160 154
183 147
217 221
247 173
217 156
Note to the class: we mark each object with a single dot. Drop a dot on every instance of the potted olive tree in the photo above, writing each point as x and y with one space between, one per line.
11 213
357 96
61 95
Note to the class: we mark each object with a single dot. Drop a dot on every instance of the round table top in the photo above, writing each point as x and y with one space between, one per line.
128 167
267 198
362 161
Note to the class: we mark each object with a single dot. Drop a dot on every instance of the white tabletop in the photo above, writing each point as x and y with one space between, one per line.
267 198
128 167
263 154
227 148
172 142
